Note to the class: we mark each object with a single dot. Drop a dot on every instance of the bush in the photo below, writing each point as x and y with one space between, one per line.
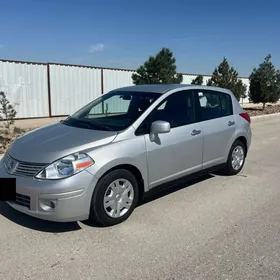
7 112
7 119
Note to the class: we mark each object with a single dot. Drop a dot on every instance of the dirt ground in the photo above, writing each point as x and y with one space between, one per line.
256 109
34 123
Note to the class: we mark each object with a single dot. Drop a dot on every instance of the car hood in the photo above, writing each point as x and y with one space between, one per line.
49 143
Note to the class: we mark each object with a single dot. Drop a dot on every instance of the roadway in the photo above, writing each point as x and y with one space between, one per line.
215 228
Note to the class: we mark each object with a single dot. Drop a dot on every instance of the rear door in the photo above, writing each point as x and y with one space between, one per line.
218 124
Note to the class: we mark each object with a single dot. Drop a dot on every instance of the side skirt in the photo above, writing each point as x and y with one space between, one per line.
184 179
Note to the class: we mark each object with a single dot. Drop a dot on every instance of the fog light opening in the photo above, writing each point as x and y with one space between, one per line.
47 205
52 204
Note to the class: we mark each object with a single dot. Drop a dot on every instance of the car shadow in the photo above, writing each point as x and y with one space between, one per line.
160 192
164 190
34 223
54 227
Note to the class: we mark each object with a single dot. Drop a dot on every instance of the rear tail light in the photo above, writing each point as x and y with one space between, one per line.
245 116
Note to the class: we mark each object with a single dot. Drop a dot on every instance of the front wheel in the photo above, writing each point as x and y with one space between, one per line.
236 158
114 198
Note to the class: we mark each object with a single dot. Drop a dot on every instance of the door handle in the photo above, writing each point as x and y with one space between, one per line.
230 123
196 132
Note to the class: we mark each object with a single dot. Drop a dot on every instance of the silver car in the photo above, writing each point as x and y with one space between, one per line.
98 162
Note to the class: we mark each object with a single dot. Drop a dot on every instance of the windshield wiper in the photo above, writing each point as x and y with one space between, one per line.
90 124
101 125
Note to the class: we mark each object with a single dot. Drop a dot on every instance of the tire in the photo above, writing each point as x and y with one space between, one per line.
230 169
118 198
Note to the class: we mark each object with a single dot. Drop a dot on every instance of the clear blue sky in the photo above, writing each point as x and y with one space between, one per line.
123 33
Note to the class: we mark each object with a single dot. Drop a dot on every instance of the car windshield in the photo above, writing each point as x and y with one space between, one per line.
114 111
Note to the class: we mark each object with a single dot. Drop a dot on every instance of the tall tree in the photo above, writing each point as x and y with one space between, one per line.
265 83
227 77
160 69
197 81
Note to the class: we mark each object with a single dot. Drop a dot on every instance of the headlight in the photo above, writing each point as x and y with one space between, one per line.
66 166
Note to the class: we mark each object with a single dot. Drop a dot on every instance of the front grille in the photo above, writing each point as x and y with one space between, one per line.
22 200
20 168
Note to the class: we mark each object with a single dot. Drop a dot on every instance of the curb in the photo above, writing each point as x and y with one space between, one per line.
264 117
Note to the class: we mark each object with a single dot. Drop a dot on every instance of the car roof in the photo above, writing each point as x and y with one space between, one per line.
164 88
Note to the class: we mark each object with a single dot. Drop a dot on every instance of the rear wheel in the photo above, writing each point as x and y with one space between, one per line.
114 198
236 158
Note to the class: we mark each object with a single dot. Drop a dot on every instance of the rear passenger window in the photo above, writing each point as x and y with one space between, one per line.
214 105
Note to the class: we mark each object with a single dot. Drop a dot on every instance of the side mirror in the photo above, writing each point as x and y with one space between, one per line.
159 127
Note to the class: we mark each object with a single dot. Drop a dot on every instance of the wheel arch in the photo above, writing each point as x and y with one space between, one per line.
134 170
244 141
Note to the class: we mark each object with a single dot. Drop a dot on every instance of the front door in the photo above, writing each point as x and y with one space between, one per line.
179 152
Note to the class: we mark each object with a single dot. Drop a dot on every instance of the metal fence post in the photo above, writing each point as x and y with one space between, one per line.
102 81
102 88
49 90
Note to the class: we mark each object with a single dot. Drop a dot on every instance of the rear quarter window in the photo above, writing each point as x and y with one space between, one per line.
226 104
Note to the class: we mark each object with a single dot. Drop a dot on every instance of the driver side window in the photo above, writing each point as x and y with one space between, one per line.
177 109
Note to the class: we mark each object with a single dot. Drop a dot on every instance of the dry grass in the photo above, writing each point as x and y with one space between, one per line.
7 136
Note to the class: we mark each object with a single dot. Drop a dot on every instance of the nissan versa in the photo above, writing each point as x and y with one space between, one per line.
98 162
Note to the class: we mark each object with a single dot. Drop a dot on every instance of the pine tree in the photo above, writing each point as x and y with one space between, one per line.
160 69
225 76
265 83
197 81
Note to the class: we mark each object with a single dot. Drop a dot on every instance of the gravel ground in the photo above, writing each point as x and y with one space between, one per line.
257 111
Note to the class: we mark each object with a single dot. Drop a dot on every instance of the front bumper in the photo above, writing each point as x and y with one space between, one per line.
70 198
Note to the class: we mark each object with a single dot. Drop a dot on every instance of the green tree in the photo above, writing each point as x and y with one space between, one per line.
225 76
197 81
209 83
265 83
7 112
240 89
160 69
